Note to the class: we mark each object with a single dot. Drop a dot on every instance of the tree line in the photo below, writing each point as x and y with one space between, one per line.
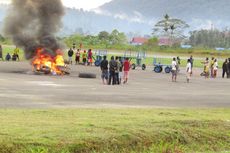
212 38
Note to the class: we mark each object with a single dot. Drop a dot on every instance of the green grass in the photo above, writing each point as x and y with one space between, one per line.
115 130
148 61
10 49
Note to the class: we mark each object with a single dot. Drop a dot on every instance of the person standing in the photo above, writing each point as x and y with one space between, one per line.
228 67
174 70
126 70
225 68
188 70
212 67
112 68
70 55
215 68
191 61
178 63
120 70
84 57
90 57
104 70
1 56
206 68
16 53
77 58
117 70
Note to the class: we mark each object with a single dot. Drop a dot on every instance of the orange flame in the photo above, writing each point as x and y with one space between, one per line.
43 61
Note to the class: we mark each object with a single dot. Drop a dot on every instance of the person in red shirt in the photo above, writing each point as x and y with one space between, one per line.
126 70
90 57
77 58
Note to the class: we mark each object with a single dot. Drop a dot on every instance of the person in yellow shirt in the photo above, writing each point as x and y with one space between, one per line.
16 53
212 67
84 57
206 68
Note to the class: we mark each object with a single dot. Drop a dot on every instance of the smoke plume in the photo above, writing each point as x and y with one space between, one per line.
33 23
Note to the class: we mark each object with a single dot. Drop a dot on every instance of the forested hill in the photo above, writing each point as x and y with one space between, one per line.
139 16
80 21
195 12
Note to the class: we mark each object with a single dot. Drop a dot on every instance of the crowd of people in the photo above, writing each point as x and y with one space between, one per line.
210 68
115 71
86 58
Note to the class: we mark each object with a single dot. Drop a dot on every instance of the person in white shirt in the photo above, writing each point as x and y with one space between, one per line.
215 68
174 70
188 70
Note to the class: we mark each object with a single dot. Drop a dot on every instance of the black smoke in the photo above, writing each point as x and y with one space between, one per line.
33 23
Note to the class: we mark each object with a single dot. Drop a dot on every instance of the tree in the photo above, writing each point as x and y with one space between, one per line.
117 38
170 27
152 42
2 38
210 38
103 36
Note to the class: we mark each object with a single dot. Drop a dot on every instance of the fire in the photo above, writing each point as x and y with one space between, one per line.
44 62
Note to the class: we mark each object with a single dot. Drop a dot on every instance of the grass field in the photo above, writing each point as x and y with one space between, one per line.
115 130
148 61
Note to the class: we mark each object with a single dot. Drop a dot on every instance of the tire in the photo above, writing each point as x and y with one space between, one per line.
87 75
158 69
97 63
167 69
143 67
133 66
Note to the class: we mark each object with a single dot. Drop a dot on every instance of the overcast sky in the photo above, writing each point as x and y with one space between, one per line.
85 4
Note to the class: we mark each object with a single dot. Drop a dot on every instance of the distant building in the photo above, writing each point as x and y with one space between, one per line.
186 46
138 41
164 41
220 49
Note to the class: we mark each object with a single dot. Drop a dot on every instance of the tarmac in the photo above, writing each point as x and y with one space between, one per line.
21 88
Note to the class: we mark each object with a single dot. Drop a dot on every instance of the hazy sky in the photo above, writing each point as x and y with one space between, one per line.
85 4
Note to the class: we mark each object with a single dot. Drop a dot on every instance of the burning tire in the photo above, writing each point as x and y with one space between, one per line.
87 75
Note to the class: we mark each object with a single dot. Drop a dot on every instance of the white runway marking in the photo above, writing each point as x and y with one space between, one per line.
46 83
